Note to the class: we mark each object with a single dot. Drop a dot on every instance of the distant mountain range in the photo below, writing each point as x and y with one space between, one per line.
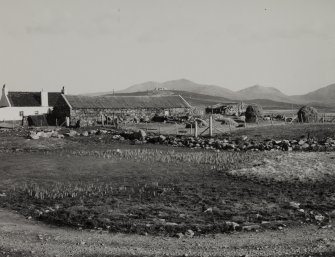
325 95
206 100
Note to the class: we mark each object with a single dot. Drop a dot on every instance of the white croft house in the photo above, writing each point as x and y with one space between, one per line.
15 105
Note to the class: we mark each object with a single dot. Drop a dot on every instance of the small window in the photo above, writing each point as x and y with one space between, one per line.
36 112
21 113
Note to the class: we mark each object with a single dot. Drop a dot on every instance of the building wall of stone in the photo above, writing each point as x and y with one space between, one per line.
229 109
60 112
234 109
89 117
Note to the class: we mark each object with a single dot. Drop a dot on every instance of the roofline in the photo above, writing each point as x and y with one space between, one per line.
32 92
67 102
110 96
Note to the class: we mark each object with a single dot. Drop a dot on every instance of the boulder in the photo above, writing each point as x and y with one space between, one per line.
93 132
55 134
319 217
232 225
142 134
251 227
162 138
305 146
189 233
34 136
71 133
84 133
294 205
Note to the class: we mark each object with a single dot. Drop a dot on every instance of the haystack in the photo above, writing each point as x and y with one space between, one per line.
307 114
253 113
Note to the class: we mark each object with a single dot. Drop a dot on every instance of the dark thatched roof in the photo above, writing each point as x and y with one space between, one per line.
126 102
31 99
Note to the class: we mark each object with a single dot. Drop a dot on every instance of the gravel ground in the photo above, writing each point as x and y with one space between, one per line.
22 237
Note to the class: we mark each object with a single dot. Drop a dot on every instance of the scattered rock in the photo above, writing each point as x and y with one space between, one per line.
34 136
209 210
294 205
179 235
189 233
84 134
71 133
327 226
232 225
241 143
319 217
253 227
142 134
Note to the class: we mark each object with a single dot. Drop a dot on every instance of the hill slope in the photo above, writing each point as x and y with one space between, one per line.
254 92
322 95
185 85
325 95
260 92
201 100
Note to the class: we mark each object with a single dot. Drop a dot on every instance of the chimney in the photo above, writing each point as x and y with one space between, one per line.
44 99
63 91
4 90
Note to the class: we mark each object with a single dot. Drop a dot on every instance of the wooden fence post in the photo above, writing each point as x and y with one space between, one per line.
102 120
211 126
195 129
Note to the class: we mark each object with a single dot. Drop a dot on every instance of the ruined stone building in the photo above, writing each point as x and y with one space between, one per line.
89 110
235 108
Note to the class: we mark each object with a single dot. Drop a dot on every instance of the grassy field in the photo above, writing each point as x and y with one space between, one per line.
162 191
95 182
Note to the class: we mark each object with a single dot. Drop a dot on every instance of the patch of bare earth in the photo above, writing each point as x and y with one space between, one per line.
292 167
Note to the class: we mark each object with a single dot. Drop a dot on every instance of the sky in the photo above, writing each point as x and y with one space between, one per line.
96 46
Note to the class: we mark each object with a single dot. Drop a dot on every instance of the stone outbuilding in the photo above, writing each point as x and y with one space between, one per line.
88 111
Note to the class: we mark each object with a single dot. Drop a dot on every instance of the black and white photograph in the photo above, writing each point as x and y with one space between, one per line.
176 128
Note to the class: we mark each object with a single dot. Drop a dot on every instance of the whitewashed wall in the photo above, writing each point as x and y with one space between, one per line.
13 113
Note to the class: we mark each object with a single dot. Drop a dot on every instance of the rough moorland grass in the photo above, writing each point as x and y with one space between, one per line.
216 160
158 192
288 131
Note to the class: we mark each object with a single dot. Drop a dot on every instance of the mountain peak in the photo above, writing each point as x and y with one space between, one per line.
259 87
325 94
262 92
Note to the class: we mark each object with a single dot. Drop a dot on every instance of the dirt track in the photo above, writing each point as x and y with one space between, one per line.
22 237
